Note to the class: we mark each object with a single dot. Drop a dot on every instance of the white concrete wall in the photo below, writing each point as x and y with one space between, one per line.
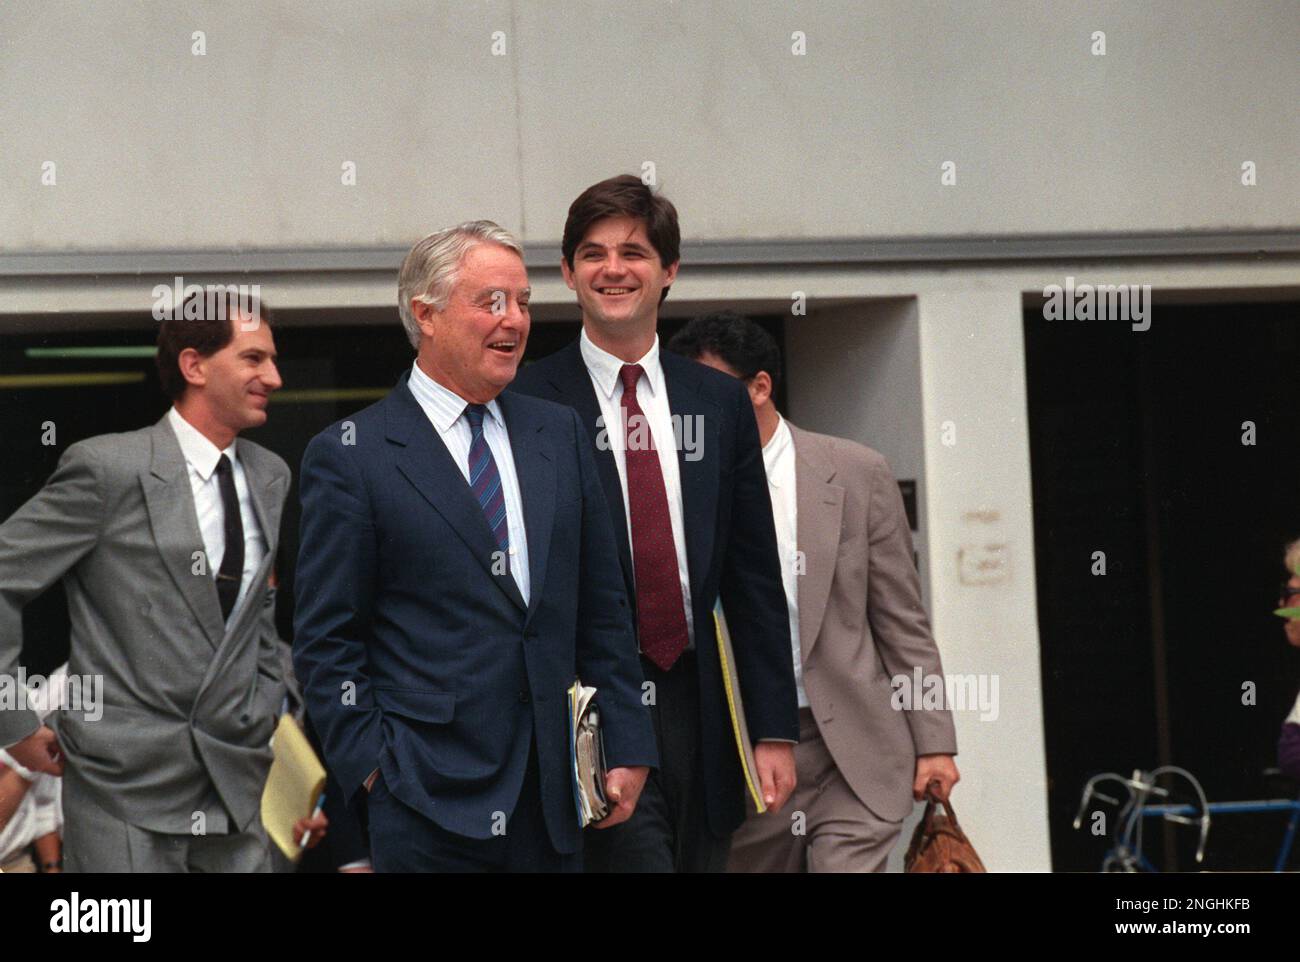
158 149
890 374
981 554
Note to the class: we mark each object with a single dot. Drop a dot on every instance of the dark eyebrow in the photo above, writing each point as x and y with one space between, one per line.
625 244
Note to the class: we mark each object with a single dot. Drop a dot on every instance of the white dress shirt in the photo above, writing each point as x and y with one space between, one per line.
652 395
201 457
445 409
40 811
778 458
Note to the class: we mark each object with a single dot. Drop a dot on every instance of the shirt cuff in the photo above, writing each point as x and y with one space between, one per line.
7 761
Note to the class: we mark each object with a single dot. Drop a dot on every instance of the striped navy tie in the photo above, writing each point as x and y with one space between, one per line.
484 478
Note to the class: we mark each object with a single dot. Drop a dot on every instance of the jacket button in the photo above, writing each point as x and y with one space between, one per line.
523 698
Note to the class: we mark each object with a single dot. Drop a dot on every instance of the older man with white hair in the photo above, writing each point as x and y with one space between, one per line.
457 570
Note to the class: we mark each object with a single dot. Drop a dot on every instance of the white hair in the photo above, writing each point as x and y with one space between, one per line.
432 267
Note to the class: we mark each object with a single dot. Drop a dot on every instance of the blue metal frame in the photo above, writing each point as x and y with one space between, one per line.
1235 808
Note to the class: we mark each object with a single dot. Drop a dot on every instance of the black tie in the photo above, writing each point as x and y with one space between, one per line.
231 574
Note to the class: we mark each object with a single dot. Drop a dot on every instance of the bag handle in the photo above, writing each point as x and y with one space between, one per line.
931 802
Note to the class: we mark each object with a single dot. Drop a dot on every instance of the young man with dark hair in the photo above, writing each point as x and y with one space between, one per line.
678 456
204 331
165 539
838 509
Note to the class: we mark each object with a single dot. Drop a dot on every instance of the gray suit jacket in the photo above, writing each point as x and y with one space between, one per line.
189 702
861 621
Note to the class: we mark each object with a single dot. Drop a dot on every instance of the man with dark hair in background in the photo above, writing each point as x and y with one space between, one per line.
165 539
678 455
854 605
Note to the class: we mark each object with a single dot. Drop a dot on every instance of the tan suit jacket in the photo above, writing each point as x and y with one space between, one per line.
861 621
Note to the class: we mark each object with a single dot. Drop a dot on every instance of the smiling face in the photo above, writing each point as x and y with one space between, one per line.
234 385
473 346
618 278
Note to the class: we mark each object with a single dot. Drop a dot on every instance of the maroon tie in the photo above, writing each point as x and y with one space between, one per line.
660 616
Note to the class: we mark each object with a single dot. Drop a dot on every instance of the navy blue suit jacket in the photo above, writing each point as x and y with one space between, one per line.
730 552
415 657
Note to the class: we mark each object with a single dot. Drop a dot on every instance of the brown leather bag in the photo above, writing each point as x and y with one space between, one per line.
939 844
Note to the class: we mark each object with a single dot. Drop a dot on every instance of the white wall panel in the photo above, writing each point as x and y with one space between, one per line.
157 149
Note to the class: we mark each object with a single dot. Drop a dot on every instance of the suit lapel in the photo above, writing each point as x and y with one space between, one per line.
535 468
821 508
697 468
427 464
266 491
170 503
572 384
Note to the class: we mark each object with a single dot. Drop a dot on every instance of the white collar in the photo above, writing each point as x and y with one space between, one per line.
200 453
443 405
605 367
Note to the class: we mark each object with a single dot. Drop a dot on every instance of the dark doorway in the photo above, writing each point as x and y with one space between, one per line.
1136 444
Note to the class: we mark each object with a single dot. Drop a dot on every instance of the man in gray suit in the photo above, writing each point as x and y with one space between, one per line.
854 601
165 539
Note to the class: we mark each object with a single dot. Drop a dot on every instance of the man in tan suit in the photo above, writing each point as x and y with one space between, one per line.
856 621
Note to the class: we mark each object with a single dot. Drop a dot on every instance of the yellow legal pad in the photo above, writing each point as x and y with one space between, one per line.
296 781
736 707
